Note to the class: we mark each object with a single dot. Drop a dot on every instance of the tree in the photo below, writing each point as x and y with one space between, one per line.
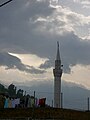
2 89
20 93
12 90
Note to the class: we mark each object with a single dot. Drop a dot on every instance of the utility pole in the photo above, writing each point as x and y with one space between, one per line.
34 98
33 110
52 103
61 100
88 103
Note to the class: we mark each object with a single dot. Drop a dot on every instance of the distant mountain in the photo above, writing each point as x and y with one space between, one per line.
74 95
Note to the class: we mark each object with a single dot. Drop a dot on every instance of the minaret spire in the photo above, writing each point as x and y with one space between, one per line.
58 53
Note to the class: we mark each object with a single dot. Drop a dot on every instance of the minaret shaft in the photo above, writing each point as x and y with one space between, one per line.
57 79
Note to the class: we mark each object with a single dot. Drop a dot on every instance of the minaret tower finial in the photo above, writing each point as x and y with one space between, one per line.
57 71
58 53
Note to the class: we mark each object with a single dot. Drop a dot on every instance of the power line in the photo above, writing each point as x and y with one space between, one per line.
1 5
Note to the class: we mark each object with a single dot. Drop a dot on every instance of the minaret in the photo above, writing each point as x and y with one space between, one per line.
57 79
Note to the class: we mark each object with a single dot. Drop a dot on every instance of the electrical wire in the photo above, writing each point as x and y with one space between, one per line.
1 5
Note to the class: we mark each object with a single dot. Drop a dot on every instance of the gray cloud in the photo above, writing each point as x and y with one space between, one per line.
79 6
46 65
12 62
22 32
73 51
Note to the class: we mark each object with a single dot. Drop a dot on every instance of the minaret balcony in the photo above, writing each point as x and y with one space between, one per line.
57 72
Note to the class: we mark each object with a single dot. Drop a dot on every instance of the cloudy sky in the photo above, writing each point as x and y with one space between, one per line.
29 31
